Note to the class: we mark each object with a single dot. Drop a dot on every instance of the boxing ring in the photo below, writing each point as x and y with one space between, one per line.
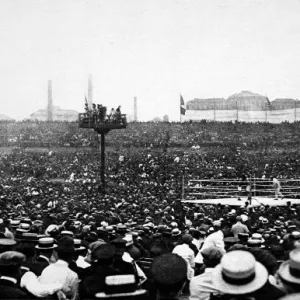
232 192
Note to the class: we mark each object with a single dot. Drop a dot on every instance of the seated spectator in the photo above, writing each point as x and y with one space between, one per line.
289 273
235 279
101 267
201 286
169 273
10 269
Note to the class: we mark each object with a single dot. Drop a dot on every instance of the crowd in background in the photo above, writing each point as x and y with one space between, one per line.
61 237
145 134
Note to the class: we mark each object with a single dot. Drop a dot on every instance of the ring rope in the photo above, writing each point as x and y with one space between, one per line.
234 189
234 180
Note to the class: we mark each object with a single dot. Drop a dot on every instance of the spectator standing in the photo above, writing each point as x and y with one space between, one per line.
239 227
216 239
59 272
187 254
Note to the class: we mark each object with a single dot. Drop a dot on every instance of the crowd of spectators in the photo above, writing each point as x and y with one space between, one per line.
61 237
145 134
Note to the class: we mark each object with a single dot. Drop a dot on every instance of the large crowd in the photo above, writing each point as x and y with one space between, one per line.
151 134
62 237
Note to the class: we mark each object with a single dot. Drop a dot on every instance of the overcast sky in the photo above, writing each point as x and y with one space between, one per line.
152 49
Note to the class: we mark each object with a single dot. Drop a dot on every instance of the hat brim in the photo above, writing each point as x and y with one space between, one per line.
261 277
45 248
135 293
284 272
80 248
176 234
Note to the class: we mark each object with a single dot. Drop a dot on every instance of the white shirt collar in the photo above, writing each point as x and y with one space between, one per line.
14 280
44 257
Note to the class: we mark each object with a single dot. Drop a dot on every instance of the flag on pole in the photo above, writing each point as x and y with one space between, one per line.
86 102
182 106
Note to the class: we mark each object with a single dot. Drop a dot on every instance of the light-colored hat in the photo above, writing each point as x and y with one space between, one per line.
257 236
46 243
78 246
24 226
67 232
217 223
174 224
236 278
295 235
176 232
129 240
121 286
290 270
51 229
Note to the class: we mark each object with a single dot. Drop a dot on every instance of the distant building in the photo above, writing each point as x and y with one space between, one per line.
58 114
244 106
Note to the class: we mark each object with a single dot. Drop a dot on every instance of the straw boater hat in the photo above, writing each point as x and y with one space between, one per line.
46 243
120 286
239 273
67 232
78 245
290 270
176 232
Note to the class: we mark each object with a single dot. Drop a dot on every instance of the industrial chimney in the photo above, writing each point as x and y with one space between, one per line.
90 92
135 116
50 102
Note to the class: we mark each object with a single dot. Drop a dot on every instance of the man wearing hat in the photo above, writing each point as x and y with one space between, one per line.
201 286
289 273
44 250
239 274
120 264
10 266
7 245
60 272
102 266
216 239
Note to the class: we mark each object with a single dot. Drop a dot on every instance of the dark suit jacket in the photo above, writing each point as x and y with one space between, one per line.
9 290
38 265
95 282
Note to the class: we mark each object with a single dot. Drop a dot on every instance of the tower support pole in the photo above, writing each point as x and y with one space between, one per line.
102 165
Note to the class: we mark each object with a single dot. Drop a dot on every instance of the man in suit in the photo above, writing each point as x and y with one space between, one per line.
102 266
10 268
45 250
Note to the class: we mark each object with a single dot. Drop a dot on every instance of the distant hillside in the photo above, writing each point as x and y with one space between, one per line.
5 118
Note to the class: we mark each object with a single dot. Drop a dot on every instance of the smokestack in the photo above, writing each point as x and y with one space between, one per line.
90 91
135 116
50 102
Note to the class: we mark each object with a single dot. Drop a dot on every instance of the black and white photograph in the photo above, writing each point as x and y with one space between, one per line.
150 149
